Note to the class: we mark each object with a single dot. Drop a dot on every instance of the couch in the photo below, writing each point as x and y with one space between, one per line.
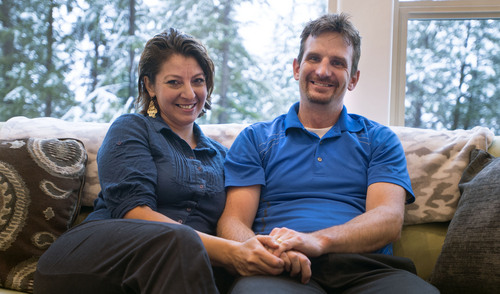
437 161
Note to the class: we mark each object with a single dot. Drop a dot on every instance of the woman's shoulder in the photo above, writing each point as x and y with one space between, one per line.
217 145
130 118
133 124
209 142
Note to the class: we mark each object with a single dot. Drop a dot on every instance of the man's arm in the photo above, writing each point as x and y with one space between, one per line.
236 224
378 226
238 216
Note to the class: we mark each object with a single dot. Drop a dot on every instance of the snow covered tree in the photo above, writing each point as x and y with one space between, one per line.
453 71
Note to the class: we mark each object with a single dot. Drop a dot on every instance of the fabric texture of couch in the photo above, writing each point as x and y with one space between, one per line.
450 172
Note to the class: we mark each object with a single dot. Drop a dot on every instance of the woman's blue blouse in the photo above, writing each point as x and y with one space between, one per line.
143 162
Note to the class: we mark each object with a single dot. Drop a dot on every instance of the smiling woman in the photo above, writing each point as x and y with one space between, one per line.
162 193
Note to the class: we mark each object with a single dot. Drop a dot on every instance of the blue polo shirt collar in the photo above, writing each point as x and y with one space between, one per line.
345 122
204 144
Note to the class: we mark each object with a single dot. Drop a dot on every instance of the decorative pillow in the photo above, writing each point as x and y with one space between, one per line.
40 189
90 133
470 259
436 161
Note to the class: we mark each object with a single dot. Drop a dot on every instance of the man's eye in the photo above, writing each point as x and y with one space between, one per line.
313 58
338 63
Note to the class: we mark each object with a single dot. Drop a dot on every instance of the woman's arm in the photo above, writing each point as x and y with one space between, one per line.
245 258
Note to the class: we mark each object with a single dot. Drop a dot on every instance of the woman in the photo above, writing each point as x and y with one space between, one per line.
162 193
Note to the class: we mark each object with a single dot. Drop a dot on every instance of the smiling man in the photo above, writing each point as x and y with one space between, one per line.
328 185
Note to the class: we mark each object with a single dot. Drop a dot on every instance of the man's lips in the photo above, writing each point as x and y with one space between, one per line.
323 84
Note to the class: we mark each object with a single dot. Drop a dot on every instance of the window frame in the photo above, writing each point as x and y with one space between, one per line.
419 9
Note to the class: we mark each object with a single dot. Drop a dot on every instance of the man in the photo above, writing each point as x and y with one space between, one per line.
329 186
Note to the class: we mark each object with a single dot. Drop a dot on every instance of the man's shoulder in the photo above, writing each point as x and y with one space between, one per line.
266 128
369 125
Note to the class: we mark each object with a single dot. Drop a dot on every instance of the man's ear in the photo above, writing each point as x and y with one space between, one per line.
149 87
296 69
353 82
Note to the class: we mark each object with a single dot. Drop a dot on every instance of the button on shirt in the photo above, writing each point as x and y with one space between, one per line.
310 183
143 162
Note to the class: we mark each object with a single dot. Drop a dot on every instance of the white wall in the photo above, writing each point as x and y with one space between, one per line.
374 20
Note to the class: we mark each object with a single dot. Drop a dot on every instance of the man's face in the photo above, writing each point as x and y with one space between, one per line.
324 73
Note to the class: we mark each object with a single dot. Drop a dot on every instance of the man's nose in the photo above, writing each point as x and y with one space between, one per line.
323 69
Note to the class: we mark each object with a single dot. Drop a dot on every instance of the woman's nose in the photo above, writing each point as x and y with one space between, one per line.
188 91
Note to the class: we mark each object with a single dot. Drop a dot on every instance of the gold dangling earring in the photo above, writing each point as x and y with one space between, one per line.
152 111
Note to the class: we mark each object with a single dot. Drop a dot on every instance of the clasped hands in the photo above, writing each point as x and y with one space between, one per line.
282 250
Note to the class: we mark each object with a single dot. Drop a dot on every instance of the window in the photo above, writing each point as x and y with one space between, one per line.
77 60
447 65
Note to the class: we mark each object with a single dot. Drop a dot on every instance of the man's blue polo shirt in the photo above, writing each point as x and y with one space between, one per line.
310 183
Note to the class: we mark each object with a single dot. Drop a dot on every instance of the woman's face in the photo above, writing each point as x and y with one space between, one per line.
180 89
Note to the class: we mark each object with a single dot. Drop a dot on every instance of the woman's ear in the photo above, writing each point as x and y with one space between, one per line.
149 86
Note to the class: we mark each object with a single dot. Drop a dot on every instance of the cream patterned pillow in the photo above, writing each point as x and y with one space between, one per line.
436 161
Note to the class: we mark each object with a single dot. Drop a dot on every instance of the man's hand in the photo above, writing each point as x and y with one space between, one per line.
297 264
308 244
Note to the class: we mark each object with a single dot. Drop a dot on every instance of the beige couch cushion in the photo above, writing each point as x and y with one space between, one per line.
436 159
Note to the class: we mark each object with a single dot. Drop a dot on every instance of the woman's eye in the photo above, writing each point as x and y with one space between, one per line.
173 83
199 81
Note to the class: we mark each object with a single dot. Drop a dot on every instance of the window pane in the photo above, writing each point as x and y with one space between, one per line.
452 74
77 59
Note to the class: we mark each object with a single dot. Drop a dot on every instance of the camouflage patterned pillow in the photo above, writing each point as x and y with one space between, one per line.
40 189
436 161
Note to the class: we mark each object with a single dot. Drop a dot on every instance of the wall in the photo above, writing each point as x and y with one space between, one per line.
374 20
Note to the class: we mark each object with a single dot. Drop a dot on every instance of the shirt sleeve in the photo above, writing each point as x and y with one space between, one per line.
126 169
243 165
388 162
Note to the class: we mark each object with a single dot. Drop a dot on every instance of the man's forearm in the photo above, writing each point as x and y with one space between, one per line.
366 233
233 229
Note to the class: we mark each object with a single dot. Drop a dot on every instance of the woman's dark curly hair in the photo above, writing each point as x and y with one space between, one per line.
158 50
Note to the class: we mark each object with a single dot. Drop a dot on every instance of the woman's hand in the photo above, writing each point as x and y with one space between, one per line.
253 258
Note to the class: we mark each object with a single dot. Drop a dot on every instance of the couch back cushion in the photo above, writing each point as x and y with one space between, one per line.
436 159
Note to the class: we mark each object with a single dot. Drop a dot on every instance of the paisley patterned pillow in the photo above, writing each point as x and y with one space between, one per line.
90 133
436 161
40 190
